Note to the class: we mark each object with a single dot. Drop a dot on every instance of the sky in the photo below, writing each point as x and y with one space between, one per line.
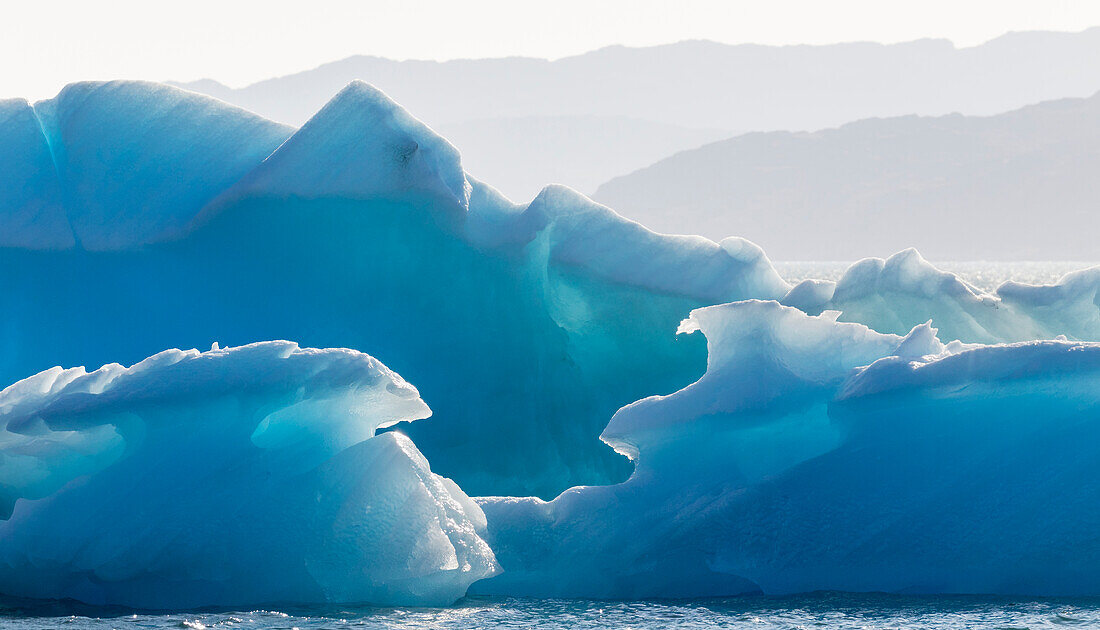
47 43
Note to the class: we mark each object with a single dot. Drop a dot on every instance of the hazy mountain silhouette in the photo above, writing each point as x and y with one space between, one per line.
520 155
1016 186
690 85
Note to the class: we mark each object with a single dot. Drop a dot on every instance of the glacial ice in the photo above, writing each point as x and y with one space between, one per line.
895 294
362 231
135 161
361 146
30 193
820 436
1071 307
820 455
237 476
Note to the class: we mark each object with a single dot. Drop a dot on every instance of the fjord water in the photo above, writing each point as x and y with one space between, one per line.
818 610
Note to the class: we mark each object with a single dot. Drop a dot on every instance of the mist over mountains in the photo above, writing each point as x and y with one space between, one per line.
585 151
707 89
705 84
593 120
1016 186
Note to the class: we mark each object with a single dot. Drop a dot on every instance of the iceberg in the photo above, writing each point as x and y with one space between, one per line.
821 436
526 325
821 455
895 294
236 476
1070 307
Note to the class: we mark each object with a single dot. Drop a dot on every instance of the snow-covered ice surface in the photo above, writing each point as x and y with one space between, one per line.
243 475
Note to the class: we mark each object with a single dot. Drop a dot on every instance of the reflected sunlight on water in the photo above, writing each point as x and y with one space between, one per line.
828 610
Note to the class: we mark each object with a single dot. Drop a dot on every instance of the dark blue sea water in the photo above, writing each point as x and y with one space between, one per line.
821 610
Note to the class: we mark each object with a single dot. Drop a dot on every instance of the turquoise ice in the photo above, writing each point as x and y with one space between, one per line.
230 477
820 455
898 430
527 325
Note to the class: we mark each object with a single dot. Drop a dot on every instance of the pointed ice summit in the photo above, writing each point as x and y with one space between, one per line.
362 145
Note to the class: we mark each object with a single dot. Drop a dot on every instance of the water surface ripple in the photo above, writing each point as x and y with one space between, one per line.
819 610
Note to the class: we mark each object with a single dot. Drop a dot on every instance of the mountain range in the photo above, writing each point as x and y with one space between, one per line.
582 120
1016 186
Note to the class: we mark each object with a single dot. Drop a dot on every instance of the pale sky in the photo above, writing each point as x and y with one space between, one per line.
47 43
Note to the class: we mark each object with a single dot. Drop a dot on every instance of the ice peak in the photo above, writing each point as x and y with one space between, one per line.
359 93
562 195
906 271
921 341
558 200
742 249
363 144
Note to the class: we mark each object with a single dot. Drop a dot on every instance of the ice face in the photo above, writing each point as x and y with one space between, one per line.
230 477
134 161
820 455
30 193
1070 307
524 325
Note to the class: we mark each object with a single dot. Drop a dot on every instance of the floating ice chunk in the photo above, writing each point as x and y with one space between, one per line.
758 411
821 455
895 294
231 477
1070 307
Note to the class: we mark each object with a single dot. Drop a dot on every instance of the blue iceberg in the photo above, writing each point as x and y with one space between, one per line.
821 455
522 324
897 430
895 294
237 476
